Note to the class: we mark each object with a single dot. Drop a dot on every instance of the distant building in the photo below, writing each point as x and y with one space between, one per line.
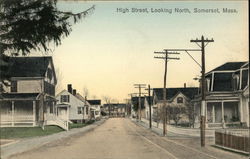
115 109
227 96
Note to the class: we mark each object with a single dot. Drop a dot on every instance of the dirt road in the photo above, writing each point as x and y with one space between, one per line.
119 138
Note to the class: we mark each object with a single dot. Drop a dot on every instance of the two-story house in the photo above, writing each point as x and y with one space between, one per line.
227 96
30 99
69 107
177 99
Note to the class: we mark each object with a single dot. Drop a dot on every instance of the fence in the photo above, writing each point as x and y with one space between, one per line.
237 139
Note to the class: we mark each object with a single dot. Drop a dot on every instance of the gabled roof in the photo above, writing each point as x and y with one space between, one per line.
94 102
29 66
229 66
189 92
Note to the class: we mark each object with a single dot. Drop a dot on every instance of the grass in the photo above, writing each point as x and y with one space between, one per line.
80 125
23 132
76 125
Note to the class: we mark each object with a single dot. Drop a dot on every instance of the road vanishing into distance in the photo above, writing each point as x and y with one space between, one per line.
120 138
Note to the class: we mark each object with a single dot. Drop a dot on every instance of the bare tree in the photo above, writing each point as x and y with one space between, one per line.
59 77
107 100
85 92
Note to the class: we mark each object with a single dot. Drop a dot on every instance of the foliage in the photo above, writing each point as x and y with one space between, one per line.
23 132
27 25
135 103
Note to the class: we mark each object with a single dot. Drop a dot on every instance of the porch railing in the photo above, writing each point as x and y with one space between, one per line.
237 139
22 120
55 120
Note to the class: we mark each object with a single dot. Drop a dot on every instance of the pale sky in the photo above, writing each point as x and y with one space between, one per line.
108 52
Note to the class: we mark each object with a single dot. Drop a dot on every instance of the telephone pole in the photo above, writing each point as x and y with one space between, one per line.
166 58
203 96
140 86
149 103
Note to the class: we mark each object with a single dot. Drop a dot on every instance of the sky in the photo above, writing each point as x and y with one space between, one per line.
109 51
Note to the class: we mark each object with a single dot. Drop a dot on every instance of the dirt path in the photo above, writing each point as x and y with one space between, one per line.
117 138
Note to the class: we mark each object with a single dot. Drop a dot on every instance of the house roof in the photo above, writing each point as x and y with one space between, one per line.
189 92
94 102
115 105
19 96
29 66
229 66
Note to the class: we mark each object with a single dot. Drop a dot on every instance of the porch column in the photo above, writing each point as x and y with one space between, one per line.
12 113
213 112
240 104
34 113
222 114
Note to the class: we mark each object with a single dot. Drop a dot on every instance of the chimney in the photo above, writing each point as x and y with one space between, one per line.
184 85
74 92
70 88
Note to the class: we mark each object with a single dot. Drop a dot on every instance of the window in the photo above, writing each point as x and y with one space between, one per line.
79 110
179 100
235 82
65 98
13 87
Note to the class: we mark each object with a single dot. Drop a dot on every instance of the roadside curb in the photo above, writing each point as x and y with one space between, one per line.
36 142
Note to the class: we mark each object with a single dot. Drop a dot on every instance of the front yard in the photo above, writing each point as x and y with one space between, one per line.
23 132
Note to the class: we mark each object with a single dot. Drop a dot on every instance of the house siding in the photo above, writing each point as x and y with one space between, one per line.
29 86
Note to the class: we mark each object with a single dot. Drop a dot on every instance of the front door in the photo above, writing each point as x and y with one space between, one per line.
62 113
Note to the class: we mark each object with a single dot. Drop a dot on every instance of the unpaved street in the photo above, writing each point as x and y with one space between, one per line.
119 138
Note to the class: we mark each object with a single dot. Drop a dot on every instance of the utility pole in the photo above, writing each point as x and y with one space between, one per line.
203 95
150 109
140 86
166 58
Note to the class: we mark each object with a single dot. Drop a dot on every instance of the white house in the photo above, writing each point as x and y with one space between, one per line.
227 96
71 108
95 108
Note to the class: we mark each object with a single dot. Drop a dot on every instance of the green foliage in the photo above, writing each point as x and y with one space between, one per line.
23 132
33 24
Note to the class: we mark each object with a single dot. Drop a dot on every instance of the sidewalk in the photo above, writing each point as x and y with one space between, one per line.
194 132
31 143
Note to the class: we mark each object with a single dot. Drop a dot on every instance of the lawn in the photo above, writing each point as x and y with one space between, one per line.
80 125
22 132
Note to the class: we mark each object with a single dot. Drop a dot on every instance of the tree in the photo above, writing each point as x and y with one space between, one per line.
28 25
108 100
85 92
33 24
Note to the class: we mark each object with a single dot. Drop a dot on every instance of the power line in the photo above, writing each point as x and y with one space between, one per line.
139 86
166 58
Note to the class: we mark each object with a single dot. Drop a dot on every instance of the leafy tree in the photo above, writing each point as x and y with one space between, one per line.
32 25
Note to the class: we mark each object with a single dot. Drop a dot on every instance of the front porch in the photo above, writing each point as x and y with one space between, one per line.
19 113
221 113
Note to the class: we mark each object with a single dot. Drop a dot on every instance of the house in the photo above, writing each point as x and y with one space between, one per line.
115 109
69 107
148 100
95 108
178 103
30 98
136 106
227 96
